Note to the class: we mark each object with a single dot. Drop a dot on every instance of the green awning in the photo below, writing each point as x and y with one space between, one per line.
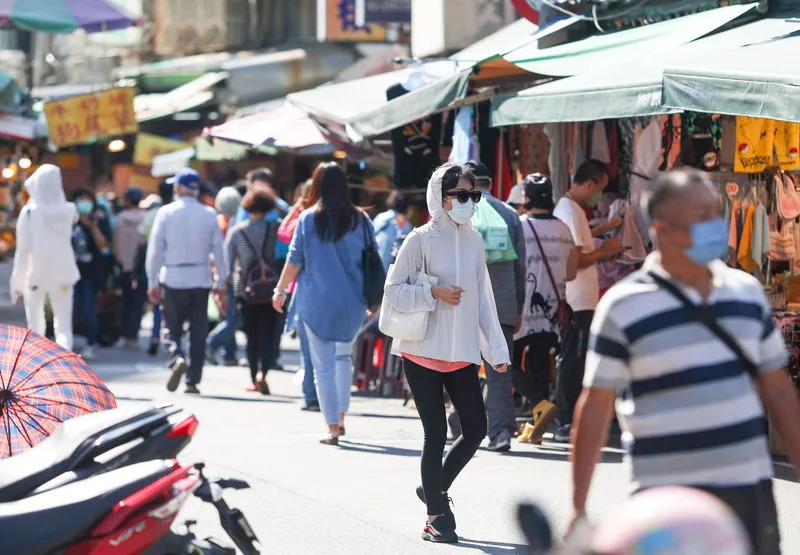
360 108
410 107
762 80
611 48
632 88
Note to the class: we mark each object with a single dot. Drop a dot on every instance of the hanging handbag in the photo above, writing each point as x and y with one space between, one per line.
374 274
409 326
788 199
565 315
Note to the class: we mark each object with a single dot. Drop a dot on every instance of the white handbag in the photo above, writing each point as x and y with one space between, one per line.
408 326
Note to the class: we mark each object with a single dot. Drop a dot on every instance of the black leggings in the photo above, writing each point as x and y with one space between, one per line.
533 381
464 390
258 321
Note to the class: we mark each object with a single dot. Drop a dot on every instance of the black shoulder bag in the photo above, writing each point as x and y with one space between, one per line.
706 317
374 273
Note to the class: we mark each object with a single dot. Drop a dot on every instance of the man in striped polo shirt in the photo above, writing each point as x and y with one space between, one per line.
687 403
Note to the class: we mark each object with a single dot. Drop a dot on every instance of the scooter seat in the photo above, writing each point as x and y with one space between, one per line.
50 521
72 441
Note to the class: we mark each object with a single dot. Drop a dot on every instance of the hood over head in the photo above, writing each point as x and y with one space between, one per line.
45 186
434 197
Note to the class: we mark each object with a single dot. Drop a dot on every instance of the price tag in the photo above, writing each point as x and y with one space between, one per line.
732 189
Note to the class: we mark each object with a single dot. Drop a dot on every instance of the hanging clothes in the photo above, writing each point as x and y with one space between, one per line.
787 142
561 137
415 146
645 167
599 143
755 139
671 128
701 135
733 235
760 235
613 152
462 136
745 251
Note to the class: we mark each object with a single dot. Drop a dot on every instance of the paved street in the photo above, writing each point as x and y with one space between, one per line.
358 498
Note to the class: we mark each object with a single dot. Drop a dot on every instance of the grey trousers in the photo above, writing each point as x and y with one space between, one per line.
179 306
499 397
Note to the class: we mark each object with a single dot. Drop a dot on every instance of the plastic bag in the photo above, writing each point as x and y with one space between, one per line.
494 230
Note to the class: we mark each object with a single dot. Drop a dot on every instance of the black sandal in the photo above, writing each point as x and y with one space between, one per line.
341 431
330 440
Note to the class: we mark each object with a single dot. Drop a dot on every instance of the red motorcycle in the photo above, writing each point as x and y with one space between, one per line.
72 502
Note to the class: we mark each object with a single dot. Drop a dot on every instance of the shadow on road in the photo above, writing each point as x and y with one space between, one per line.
378 449
491 547
386 416
785 471
244 399
124 398
554 454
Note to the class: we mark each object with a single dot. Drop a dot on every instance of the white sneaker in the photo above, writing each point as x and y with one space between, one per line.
88 352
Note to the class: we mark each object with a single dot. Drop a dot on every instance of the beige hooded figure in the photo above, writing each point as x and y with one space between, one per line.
44 262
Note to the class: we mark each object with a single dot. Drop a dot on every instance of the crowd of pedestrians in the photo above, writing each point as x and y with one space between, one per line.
684 346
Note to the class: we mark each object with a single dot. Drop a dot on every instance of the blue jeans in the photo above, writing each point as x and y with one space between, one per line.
224 335
309 391
85 301
333 367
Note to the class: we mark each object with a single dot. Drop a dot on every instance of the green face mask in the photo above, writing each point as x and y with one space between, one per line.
595 199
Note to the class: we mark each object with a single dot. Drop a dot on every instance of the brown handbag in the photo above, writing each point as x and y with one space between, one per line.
566 317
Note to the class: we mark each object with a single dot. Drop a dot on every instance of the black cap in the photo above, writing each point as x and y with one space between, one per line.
539 191
480 171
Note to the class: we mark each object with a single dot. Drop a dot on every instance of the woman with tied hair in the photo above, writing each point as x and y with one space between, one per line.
325 257
462 325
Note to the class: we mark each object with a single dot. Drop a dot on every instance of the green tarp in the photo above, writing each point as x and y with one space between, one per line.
632 88
612 48
361 108
762 80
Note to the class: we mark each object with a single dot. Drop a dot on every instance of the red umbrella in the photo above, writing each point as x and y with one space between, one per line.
42 385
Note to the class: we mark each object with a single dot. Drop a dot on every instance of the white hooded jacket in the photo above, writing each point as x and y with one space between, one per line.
455 333
44 257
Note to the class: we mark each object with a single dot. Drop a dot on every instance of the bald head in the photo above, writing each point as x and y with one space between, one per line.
673 191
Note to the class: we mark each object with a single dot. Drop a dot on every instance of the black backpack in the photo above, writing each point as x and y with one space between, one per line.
259 279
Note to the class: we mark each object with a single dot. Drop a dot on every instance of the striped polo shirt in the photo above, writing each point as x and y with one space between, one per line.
687 406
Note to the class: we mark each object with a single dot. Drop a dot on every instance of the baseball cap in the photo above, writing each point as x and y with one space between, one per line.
515 196
479 169
539 190
134 195
187 177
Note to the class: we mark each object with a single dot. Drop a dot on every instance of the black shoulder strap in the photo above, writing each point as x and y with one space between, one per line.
706 317
260 256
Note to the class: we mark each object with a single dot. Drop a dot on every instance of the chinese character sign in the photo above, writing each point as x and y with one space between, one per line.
341 24
82 119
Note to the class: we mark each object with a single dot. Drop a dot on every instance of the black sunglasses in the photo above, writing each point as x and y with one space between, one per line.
464 196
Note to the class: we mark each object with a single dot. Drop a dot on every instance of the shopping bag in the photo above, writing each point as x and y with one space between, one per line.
494 230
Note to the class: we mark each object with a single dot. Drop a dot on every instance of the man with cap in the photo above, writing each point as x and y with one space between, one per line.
126 243
184 239
508 285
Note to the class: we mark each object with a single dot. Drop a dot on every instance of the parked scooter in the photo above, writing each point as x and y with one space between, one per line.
90 489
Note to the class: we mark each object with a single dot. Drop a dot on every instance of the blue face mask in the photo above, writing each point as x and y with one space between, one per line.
84 207
710 241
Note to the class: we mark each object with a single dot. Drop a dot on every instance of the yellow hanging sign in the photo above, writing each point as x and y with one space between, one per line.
85 118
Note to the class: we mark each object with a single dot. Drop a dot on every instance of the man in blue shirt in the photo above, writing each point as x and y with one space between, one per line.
184 240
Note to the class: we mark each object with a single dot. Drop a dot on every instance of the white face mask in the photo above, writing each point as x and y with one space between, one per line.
461 213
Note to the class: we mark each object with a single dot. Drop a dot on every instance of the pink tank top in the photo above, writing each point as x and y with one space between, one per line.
435 364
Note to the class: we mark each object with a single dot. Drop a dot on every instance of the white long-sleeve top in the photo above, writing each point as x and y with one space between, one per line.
457 257
44 257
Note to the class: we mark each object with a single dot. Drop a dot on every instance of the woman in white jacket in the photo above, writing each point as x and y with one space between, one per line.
462 326
44 263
